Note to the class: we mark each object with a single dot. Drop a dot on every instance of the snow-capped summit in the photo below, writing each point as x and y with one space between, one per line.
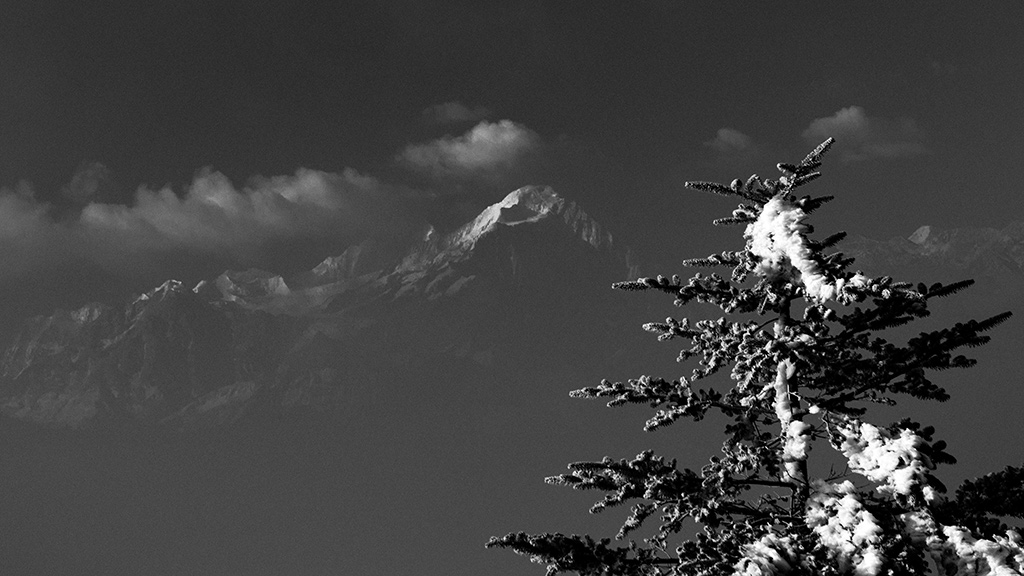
530 204
526 205
920 236
339 267
251 283
250 341
162 291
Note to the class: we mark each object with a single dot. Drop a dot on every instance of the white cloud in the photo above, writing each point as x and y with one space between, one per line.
280 223
30 238
213 216
487 148
859 136
452 112
728 140
212 221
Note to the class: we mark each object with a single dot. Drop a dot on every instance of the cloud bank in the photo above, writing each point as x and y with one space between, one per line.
487 149
281 223
728 141
211 221
861 137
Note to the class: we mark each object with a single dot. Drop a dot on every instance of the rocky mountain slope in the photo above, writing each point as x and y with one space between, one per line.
500 288
394 396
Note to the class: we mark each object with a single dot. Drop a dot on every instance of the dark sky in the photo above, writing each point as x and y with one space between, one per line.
141 141
614 103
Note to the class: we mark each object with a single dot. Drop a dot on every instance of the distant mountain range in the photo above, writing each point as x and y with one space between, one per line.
249 343
983 252
394 397
485 297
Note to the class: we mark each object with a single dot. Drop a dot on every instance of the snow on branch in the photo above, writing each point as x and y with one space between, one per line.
844 527
962 553
778 238
892 460
796 432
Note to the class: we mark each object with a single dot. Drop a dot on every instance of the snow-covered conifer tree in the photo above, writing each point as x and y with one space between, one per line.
803 342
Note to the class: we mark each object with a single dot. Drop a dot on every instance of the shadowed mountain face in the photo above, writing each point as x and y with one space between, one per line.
520 281
371 416
388 410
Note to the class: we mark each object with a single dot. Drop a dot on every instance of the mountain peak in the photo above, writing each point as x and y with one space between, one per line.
527 204
160 292
251 283
948 254
920 236
248 341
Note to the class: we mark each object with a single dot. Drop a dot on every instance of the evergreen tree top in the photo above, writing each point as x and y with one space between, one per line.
802 338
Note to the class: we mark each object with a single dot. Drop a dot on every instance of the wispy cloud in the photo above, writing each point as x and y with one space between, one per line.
212 220
487 149
92 182
860 137
730 141
280 223
215 217
453 112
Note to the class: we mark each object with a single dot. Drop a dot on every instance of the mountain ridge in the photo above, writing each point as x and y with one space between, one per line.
204 356
498 291
958 248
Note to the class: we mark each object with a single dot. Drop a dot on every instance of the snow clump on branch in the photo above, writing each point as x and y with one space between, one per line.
849 531
893 461
778 238
980 556
771 555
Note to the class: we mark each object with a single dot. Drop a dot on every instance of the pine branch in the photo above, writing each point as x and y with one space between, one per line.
997 493
753 189
776 483
723 259
713 187
561 553
990 323
938 290
828 242
809 204
829 361
814 158
631 285
732 220
804 179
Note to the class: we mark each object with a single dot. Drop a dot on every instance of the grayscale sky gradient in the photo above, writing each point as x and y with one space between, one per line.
116 118
141 141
